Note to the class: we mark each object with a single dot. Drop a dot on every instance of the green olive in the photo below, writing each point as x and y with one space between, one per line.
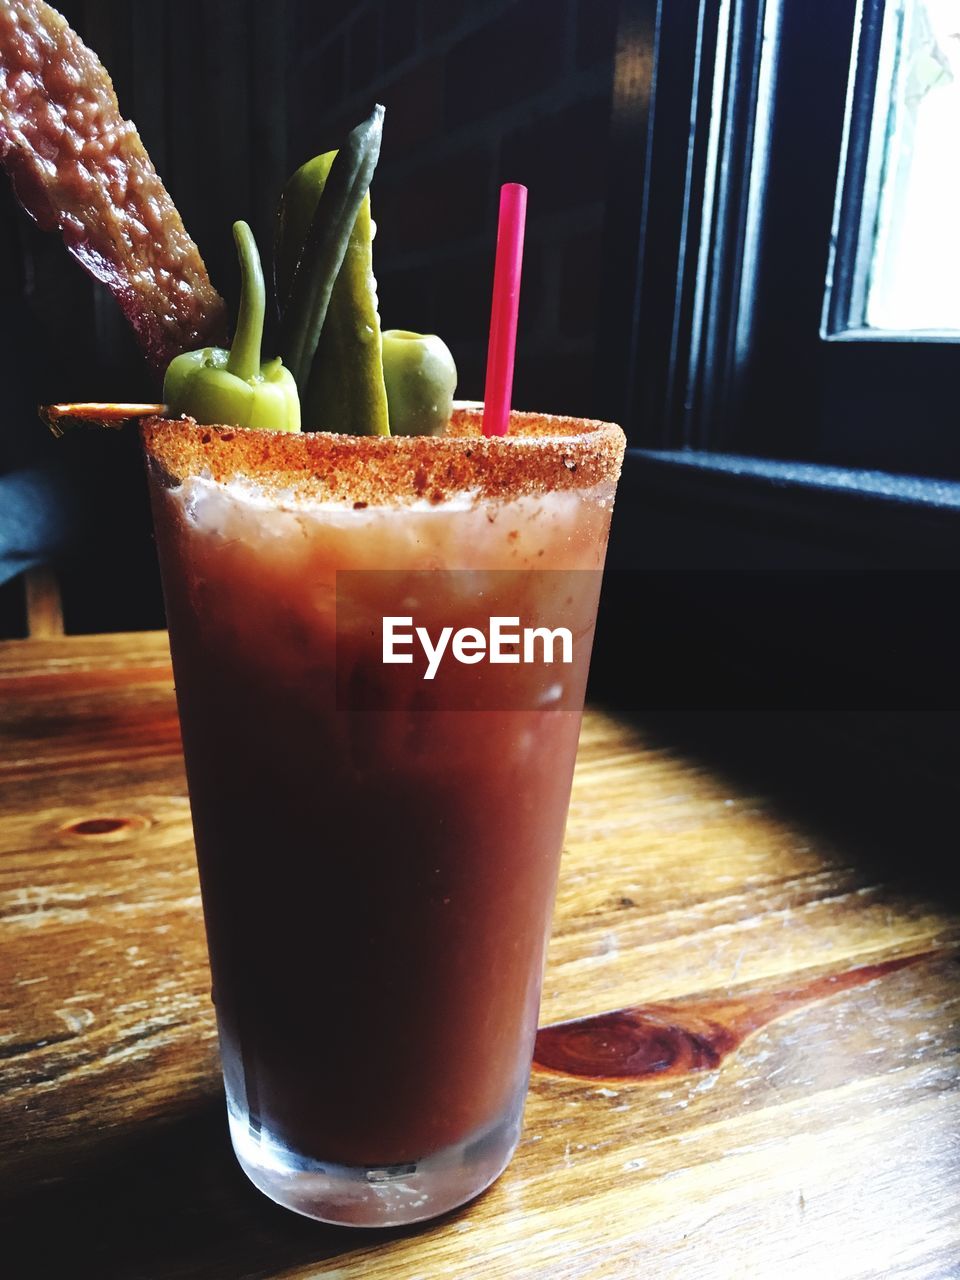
420 377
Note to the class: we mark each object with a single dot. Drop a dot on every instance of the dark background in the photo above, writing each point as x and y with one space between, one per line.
230 96
476 94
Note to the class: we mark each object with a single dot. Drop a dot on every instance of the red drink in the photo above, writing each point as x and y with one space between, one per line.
378 852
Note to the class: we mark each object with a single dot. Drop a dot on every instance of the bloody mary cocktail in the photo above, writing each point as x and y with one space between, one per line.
378 877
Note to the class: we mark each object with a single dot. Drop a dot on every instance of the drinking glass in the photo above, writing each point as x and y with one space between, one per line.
378 850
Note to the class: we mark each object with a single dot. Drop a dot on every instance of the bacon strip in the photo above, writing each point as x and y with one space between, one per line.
78 167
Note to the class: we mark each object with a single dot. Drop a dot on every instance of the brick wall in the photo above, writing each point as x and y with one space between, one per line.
477 93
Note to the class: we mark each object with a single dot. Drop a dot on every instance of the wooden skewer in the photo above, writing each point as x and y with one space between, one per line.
59 417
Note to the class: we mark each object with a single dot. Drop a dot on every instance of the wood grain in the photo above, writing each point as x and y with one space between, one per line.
824 1145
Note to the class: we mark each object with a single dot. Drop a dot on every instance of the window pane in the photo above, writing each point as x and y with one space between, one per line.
911 207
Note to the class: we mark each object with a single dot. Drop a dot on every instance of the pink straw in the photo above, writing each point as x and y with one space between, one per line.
503 313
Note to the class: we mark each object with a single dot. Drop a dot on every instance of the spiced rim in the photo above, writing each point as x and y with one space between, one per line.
542 453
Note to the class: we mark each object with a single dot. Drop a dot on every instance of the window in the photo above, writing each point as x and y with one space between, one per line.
902 273
796 290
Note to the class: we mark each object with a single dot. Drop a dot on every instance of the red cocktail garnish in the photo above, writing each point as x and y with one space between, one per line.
79 167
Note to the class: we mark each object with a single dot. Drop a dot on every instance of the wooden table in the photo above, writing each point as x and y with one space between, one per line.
808 1125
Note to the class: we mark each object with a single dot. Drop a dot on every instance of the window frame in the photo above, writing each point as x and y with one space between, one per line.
715 319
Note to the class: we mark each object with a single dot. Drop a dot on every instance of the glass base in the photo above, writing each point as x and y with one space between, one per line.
376 1195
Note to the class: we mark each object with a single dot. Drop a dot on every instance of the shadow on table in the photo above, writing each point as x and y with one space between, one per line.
880 787
170 1202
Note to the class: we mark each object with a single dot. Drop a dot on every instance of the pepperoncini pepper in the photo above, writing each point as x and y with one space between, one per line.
233 387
